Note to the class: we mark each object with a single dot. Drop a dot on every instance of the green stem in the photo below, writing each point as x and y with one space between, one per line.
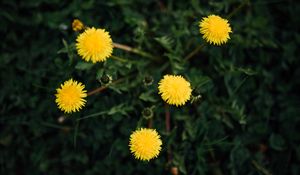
55 126
92 115
245 2
99 89
136 51
194 52
76 133
260 168
168 130
119 58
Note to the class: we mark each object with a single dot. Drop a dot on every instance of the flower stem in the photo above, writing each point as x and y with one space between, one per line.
260 168
168 129
99 89
119 58
168 119
150 123
245 2
194 52
135 50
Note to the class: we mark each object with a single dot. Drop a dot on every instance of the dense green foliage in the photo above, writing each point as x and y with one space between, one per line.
246 121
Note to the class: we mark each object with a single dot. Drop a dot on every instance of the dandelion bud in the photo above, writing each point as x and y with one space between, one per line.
105 79
148 80
196 96
147 113
77 25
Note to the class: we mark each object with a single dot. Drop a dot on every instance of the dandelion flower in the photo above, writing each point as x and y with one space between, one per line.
174 90
77 25
215 29
145 144
70 96
94 45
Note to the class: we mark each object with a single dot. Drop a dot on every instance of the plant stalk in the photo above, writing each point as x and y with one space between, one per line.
194 52
99 89
135 50
168 129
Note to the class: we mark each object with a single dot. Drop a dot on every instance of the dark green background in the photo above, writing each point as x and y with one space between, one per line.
247 121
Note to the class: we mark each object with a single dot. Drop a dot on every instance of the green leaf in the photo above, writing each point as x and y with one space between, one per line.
147 96
84 66
277 142
122 109
247 71
165 41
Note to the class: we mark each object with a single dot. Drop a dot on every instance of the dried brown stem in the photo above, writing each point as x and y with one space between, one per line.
150 123
168 119
168 129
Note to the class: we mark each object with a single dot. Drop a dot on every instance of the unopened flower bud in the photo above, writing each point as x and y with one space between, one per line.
147 113
195 96
105 79
77 25
148 80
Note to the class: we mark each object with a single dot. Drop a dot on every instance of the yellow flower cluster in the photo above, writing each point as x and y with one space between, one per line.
96 45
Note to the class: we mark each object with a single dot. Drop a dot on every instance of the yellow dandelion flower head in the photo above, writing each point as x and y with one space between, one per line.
174 90
145 144
215 29
70 96
94 45
77 25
